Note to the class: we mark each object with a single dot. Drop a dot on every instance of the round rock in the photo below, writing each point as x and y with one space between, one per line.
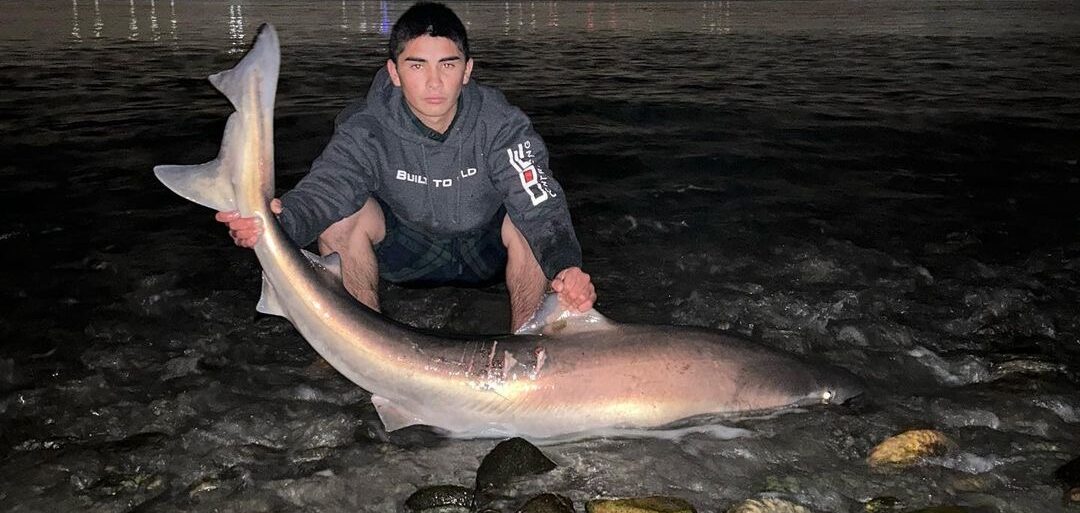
441 499
655 504
510 459
548 503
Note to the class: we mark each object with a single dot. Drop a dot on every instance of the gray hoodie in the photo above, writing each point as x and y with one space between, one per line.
492 157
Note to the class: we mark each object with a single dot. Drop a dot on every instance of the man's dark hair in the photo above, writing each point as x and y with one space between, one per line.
427 19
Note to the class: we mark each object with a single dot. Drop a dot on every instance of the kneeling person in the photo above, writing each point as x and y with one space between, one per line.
435 179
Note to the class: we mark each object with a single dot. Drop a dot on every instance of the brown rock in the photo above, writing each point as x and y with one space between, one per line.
655 504
908 448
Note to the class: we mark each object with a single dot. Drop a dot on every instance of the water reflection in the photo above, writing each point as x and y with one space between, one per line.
154 22
75 21
513 19
716 16
133 25
237 42
98 24
344 21
172 18
553 15
384 25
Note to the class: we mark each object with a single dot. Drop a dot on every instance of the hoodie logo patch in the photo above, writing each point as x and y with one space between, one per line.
406 176
531 177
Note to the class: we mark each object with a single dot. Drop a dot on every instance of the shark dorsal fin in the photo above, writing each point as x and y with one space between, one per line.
553 319
325 264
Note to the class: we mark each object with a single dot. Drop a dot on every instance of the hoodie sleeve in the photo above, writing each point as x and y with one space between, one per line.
339 183
534 200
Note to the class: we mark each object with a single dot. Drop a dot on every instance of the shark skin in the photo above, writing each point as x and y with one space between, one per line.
563 373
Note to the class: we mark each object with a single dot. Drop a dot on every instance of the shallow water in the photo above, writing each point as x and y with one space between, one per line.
887 185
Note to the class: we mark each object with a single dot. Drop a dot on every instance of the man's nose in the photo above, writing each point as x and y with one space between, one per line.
434 80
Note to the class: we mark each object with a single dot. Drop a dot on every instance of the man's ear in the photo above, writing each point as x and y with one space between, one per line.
468 71
391 68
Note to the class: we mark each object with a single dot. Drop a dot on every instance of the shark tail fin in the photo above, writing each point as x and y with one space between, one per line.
210 184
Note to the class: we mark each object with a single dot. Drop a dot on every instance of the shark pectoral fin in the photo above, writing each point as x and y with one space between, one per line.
393 416
268 301
206 184
552 318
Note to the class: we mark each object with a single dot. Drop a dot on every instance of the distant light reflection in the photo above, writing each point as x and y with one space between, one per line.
154 33
75 21
344 21
133 25
236 28
506 18
98 24
716 16
384 25
517 18
172 18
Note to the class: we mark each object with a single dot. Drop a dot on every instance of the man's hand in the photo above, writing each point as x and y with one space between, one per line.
245 231
574 288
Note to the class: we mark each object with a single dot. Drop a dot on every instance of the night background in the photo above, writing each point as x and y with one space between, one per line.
887 185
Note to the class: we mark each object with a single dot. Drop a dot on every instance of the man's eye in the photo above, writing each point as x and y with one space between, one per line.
416 66
448 65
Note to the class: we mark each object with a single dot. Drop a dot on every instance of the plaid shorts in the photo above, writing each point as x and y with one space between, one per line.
408 255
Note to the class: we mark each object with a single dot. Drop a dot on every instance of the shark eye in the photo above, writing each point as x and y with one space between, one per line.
826 396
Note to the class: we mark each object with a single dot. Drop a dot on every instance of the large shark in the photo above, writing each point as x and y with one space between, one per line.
562 374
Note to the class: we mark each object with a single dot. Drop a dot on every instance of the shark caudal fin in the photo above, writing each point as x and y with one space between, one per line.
552 318
211 184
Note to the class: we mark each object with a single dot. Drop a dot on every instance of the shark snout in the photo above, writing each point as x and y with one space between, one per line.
839 386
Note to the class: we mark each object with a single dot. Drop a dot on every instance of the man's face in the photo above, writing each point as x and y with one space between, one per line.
431 72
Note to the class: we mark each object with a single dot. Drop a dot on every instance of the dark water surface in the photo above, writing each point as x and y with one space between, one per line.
889 185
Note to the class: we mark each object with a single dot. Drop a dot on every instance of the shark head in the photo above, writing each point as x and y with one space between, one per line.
835 386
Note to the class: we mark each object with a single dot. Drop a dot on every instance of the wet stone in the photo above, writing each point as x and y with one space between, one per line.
1026 366
180 366
8 375
548 503
883 505
654 504
441 499
332 430
767 505
944 509
909 448
212 488
1069 476
508 460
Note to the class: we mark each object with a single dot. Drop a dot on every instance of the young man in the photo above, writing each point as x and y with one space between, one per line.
435 179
